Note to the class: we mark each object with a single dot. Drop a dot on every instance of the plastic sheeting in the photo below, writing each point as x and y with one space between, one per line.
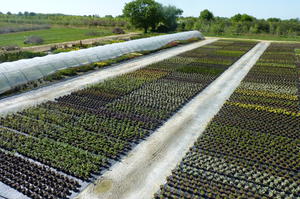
16 73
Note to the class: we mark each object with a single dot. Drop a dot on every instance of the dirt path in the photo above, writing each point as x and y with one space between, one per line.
47 47
140 174
18 102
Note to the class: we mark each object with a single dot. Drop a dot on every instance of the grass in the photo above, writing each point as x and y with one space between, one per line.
53 35
4 25
258 37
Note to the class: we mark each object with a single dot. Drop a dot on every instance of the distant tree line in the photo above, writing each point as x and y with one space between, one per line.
239 24
150 15
61 19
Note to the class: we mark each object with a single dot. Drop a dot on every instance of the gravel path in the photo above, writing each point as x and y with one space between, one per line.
19 102
140 174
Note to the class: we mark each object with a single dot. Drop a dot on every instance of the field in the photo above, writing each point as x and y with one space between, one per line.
251 147
56 34
267 37
12 28
84 133
148 100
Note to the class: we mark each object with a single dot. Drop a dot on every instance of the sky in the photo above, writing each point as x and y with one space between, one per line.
284 9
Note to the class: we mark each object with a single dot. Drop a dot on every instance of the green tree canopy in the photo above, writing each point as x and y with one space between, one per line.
242 18
248 18
143 13
169 17
274 20
236 18
109 16
206 15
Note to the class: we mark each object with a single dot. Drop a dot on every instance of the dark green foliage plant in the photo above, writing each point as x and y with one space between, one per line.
170 15
14 56
143 13
206 15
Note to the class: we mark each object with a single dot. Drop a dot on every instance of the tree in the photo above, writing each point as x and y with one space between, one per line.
143 13
236 18
32 14
296 20
170 15
274 20
247 18
206 15
242 18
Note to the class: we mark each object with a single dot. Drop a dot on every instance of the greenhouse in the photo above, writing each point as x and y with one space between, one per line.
20 72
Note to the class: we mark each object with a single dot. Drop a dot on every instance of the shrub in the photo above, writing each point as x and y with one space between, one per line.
94 33
34 40
10 48
60 50
162 29
14 56
118 30
101 64
85 68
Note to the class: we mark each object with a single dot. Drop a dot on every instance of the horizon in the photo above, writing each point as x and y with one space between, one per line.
95 7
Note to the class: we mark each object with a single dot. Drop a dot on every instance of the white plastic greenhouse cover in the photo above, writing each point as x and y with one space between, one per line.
20 72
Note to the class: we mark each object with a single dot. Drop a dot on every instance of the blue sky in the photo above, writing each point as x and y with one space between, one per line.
284 9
